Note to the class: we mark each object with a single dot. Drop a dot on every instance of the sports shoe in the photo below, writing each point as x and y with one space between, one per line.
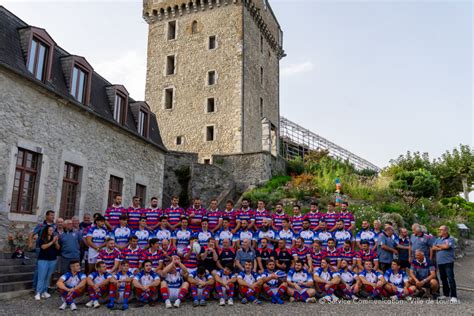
230 301
280 301
394 297
258 302
310 300
442 297
244 301
355 298
38 297
222 302
454 300
177 303
73 307
202 303
409 298
195 303
124 307
89 304
292 299
110 305
45 295
168 304
96 304
63 306
334 298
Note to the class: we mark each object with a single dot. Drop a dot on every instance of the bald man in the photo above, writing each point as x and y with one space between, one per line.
444 249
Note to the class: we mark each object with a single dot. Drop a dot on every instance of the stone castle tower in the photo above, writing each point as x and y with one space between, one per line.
213 75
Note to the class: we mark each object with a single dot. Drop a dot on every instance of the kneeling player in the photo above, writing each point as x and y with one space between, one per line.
348 281
300 284
71 285
201 283
397 285
174 287
248 284
273 282
121 286
146 283
370 281
225 284
326 281
423 275
98 284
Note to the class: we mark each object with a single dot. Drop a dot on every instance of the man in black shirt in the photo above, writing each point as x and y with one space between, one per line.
283 257
226 255
208 256
263 255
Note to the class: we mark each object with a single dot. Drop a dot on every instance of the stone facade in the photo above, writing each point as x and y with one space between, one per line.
240 28
34 119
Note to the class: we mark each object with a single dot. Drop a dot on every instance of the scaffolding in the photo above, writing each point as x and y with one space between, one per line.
297 141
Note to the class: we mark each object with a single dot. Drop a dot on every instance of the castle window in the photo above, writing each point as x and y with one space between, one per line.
70 190
79 83
211 105
169 98
171 30
261 107
207 161
38 60
115 188
194 27
211 78
179 140
261 75
143 123
140 191
25 184
170 65
210 134
120 106
212 42
261 44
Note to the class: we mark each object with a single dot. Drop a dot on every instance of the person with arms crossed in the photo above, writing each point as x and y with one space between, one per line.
225 284
444 249
201 285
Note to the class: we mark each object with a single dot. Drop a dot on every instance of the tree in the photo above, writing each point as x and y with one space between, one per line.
456 172
413 185
409 162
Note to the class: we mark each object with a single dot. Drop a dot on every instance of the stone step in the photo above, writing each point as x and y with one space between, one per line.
17 269
8 255
15 286
16 277
16 262
26 294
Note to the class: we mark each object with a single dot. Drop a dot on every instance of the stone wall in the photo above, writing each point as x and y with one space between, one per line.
31 118
177 174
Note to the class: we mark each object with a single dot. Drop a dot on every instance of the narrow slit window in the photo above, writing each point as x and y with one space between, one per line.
211 78
211 105
171 30
212 42
169 98
210 135
170 65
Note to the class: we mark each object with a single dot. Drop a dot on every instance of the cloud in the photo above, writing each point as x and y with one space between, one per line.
128 69
297 68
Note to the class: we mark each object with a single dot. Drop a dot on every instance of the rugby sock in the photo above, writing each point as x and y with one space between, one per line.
165 293
182 293
194 293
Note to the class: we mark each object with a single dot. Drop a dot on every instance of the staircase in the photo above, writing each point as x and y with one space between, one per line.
16 275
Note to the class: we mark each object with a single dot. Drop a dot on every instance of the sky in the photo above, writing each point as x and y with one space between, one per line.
378 78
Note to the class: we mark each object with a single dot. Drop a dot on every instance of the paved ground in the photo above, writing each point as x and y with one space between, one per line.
464 276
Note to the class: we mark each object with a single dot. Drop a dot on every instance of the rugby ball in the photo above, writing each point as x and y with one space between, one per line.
196 248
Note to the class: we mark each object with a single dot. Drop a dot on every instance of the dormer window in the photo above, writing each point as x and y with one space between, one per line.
119 108
79 83
38 58
143 123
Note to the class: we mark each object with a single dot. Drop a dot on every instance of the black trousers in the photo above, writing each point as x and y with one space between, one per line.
446 273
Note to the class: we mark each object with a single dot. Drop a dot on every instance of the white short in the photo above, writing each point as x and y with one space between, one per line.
174 293
190 270
93 255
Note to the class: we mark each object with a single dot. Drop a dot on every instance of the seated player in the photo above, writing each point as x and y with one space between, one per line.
300 284
264 254
163 232
142 233
423 275
326 281
168 251
71 285
181 237
348 281
398 285
332 253
283 256
225 284
346 253
248 284
273 282
146 284
370 281
366 254
98 284
307 233
132 254
120 286
154 254
301 252
244 233
286 233
204 234
174 286
316 256
209 256
226 255
110 256
201 285
190 257
224 232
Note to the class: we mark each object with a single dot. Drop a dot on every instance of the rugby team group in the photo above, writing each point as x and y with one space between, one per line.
199 254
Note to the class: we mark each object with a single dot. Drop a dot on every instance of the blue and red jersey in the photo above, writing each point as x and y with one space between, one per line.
213 218
192 261
133 256
113 213
331 219
153 216
348 219
174 215
314 218
169 252
109 257
297 222
317 257
301 253
198 215
247 214
347 255
154 257
232 216
333 255
143 237
260 216
134 215
371 255
278 219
